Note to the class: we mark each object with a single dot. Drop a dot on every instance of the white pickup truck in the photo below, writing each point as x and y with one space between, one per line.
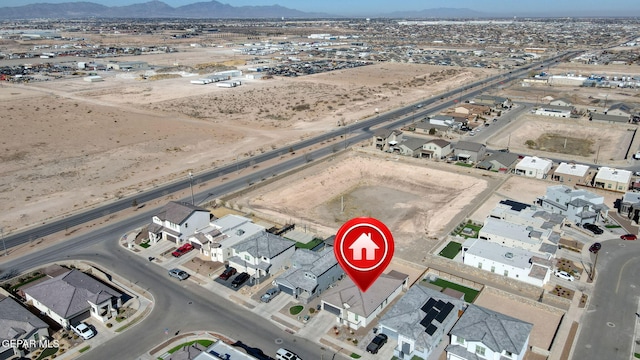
83 330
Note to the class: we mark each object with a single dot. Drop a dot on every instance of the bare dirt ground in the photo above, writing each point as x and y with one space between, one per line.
72 144
416 202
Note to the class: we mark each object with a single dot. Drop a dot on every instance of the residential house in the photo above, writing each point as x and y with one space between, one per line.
411 146
528 215
608 118
579 206
523 236
73 296
613 179
357 309
493 101
18 324
261 254
217 239
512 262
177 221
533 166
383 139
425 127
310 274
620 109
571 173
499 161
442 120
475 110
555 111
419 321
487 334
469 151
561 102
630 206
436 149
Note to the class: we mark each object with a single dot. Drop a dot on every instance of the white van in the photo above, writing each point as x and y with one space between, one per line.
284 354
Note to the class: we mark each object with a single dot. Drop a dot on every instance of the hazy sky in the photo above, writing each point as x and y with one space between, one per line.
369 7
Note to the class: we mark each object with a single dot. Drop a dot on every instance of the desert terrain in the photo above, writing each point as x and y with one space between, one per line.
70 144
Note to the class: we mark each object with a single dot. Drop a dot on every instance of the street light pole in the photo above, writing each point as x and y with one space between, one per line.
191 186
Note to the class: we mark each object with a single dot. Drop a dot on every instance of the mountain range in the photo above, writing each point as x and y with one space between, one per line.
200 10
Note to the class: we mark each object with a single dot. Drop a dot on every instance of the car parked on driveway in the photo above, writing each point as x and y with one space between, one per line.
270 294
83 330
178 274
227 273
593 228
564 275
628 237
377 343
240 279
182 250
595 247
284 354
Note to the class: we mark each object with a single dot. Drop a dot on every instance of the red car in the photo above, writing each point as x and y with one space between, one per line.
628 237
182 250
227 273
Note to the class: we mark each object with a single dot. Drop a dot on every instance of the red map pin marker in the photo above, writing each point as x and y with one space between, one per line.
364 248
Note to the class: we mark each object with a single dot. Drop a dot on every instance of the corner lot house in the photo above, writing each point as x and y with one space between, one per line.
485 334
261 253
310 274
176 221
217 239
630 206
499 161
554 110
613 179
73 296
419 321
18 323
356 309
579 206
571 173
533 166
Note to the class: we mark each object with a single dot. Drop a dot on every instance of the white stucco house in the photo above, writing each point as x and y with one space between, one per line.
217 239
533 166
612 179
74 296
518 235
485 334
356 309
578 205
261 254
177 221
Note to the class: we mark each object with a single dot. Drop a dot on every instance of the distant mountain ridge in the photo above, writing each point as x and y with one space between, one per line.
199 10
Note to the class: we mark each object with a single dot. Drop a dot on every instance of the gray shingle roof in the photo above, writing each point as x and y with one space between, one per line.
469 146
177 212
16 321
497 331
70 293
264 244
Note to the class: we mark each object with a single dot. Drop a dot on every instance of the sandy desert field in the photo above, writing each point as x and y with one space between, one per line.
71 144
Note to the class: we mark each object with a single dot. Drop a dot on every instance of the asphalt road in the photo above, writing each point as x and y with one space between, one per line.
607 327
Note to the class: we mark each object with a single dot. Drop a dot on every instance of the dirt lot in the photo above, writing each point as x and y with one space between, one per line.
415 201
72 144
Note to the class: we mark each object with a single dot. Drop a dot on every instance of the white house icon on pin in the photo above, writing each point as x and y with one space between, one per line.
364 242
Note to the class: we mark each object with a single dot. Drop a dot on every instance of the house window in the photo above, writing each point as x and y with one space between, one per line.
356 317
506 273
186 225
247 257
508 353
460 340
36 336
493 269
479 265
480 350
608 186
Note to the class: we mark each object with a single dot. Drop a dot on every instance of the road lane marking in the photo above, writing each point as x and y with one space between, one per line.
620 274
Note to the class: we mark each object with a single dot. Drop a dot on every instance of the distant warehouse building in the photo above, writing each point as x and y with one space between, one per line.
127 65
563 80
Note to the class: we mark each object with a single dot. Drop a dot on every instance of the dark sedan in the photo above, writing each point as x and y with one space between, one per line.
240 279
377 343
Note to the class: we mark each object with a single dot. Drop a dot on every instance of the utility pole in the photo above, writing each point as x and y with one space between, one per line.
191 186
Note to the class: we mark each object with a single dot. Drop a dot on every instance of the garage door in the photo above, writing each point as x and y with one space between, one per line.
332 309
196 245
286 290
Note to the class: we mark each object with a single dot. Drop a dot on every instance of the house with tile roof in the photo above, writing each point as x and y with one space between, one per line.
261 254
74 296
357 309
18 323
486 334
419 321
310 274
177 221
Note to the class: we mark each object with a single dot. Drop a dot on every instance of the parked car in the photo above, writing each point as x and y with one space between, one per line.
284 354
83 330
377 343
227 273
240 279
593 228
182 250
595 247
564 275
628 237
178 274
270 294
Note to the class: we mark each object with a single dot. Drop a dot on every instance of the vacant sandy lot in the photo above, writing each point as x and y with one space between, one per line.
415 201
71 144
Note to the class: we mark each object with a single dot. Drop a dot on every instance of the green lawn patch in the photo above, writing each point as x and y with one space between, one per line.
48 352
18 285
612 226
355 356
145 244
205 343
84 349
464 164
451 250
469 294
636 355
295 310
310 245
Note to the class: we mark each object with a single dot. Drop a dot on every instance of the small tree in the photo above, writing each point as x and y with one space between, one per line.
134 203
432 131
530 143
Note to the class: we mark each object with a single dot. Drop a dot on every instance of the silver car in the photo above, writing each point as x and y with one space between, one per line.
270 294
178 274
